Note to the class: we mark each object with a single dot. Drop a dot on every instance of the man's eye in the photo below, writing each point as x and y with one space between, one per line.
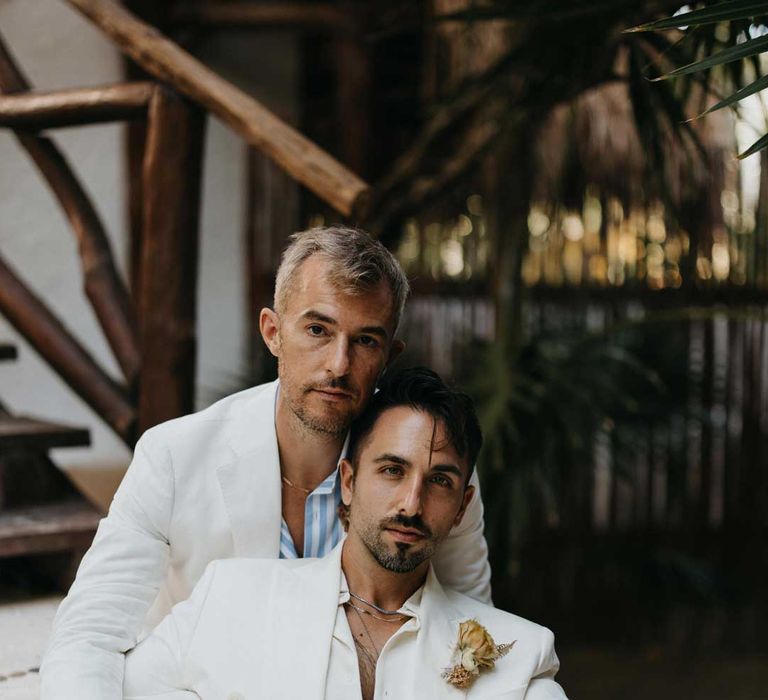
368 341
316 330
441 480
393 470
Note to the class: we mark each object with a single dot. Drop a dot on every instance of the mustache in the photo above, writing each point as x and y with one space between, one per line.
411 521
339 383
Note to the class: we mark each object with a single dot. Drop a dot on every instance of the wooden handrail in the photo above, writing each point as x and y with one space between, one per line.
32 318
47 110
103 286
166 61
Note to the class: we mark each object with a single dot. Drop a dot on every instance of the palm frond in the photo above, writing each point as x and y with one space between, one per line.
745 50
722 12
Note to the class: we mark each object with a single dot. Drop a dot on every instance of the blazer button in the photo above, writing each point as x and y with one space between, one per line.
235 696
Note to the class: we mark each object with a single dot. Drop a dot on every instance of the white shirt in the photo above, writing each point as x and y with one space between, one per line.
395 663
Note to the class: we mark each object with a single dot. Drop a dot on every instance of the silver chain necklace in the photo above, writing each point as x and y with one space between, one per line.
374 606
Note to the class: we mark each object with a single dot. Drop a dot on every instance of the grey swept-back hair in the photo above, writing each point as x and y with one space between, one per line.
358 263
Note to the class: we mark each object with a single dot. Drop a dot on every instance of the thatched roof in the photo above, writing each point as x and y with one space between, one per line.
594 141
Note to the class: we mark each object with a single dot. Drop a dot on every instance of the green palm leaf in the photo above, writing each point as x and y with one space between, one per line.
749 48
751 89
722 12
758 145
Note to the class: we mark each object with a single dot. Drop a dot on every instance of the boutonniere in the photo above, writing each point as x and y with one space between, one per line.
475 651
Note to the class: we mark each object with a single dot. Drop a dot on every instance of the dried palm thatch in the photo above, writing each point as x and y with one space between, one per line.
595 141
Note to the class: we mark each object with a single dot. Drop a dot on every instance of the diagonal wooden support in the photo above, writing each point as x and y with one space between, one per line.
32 318
103 285
166 61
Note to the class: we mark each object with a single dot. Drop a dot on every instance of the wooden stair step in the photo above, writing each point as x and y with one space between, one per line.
23 432
7 352
51 527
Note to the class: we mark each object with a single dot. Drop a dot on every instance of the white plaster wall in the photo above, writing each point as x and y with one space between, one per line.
57 49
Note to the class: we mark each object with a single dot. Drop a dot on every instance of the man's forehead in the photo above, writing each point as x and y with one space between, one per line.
319 278
409 432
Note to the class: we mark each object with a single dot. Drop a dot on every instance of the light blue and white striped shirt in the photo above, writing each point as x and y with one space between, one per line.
322 527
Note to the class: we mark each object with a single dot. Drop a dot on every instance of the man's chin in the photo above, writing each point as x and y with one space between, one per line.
329 422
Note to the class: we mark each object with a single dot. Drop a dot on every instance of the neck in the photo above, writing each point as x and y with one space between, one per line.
307 457
370 580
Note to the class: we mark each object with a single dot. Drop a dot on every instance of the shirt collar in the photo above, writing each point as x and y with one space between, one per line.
411 607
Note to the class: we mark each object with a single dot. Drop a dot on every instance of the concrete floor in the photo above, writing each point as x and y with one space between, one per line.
24 629
25 619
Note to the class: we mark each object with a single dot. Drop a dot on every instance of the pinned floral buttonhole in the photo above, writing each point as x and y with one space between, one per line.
475 651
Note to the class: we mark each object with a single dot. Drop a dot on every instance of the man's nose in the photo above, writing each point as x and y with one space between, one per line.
339 357
411 499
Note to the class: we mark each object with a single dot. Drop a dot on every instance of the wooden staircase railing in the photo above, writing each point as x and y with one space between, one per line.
152 333
41 512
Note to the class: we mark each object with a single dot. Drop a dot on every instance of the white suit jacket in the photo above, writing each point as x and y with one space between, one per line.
199 488
262 630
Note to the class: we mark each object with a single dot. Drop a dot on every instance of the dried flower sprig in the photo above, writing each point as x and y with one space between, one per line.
475 651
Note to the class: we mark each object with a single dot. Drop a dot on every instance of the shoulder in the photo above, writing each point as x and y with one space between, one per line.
229 581
503 626
211 419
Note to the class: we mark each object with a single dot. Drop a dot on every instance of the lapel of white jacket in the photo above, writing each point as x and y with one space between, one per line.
438 633
302 615
250 478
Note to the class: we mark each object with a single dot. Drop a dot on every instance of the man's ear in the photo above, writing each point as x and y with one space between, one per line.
269 325
394 352
347 481
468 493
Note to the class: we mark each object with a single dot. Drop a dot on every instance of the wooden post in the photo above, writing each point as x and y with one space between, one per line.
156 14
167 294
353 92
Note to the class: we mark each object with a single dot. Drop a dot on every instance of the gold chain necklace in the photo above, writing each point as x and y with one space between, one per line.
288 482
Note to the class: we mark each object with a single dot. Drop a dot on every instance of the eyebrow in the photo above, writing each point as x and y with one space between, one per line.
442 468
313 315
388 457
449 469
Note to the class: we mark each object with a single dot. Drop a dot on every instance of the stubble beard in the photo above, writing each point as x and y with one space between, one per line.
405 558
332 425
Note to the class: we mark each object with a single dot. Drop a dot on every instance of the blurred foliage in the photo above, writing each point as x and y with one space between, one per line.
547 403
728 35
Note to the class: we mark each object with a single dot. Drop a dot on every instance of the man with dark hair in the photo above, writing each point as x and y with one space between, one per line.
254 475
371 619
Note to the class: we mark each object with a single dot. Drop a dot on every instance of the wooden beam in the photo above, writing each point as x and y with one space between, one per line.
47 110
74 364
160 57
168 285
103 285
317 16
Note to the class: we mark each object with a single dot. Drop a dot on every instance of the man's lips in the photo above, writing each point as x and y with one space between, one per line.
334 394
405 534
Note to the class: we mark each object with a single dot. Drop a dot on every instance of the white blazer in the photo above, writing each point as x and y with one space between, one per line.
262 630
199 488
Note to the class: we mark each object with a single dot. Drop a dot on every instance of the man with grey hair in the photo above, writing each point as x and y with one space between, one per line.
256 474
